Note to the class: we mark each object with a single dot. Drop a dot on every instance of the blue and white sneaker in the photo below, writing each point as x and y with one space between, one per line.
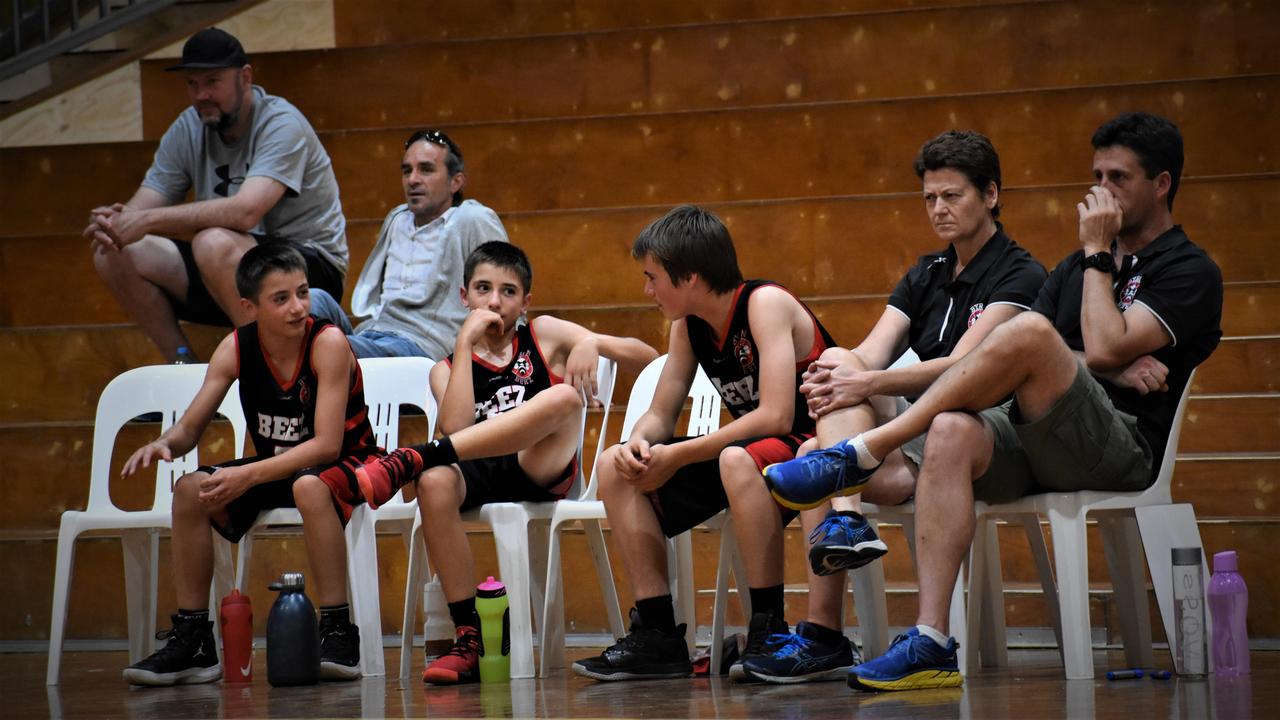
803 657
912 662
844 541
807 482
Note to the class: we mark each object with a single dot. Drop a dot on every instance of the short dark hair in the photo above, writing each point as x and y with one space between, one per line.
1155 140
453 162
965 151
691 240
503 255
263 259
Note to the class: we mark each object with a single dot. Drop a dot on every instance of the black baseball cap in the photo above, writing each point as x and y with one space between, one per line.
210 49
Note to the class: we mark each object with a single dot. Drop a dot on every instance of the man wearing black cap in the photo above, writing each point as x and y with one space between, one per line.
260 175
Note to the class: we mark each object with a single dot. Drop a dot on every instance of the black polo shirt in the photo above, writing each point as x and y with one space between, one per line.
942 309
1178 282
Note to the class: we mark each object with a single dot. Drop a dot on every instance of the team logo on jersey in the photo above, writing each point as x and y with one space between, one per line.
743 351
975 312
1130 292
522 368
224 174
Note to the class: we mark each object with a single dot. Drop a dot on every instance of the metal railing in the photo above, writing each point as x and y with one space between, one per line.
42 33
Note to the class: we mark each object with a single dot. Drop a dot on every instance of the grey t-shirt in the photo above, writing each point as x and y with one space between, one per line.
281 145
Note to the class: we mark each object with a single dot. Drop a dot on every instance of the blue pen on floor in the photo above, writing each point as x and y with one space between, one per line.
1133 674
1159 674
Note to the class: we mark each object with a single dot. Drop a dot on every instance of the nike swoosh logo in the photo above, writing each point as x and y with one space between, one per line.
244 671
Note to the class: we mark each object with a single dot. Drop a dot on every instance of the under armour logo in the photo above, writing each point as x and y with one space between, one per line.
224 174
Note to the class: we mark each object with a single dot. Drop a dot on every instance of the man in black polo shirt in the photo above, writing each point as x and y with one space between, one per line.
1096 373
942 308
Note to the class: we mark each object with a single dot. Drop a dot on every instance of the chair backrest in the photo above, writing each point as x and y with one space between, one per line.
704 416
390 383
1164 480
168 390
606 379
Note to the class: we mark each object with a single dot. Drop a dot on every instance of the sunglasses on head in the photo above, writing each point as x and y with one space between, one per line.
436 137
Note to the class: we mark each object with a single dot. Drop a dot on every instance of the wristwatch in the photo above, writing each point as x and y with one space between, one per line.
1100 261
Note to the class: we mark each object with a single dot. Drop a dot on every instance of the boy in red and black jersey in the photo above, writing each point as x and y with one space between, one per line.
754 340
511 398
303 399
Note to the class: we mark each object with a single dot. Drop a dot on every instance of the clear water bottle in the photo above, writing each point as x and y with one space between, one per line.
1229 607
437 629
495 631
1188 613
293 636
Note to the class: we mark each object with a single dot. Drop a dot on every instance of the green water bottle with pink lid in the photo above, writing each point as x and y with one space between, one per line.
495 631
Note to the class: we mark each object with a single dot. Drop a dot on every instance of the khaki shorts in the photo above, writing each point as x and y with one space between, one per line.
1082 443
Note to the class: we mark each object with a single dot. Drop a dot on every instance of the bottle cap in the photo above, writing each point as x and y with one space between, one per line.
235 598
491 588
289 581
1224 561
1185 555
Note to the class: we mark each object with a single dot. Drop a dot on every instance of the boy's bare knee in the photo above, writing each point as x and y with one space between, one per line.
438 489
309 491
738 470
186 491
567 398
842 356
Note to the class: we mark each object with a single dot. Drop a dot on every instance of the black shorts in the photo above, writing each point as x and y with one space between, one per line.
200 307
695 492
339 476
501 479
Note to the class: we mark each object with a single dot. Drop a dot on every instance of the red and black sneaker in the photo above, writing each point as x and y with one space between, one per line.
461 664
380 480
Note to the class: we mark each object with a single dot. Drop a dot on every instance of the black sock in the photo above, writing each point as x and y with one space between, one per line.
336 613
825 635
658 613
464 613
194 615
437 453
767 599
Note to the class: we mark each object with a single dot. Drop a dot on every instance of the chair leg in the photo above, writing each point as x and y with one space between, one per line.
604 573
990 631
412 596
1123 547
223 581
553 586
363 589
511 537
548 606
680 567
243 555
1070 553
872 608
1044 569
67 532
728 559
140 594
1164 527
957 620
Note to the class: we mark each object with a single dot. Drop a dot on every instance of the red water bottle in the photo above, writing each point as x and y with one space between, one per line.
236 618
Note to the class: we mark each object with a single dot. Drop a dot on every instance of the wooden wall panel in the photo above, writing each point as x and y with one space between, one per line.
400 21
826 59
1042 136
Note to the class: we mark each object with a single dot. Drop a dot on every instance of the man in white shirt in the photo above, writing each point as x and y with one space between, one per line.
408 289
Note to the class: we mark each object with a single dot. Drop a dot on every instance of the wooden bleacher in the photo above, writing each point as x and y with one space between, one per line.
796 120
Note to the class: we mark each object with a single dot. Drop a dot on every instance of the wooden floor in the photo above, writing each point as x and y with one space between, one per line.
1032 687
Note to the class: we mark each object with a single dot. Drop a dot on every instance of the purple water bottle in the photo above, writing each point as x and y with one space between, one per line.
1229 607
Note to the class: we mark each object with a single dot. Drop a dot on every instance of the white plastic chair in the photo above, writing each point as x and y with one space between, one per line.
520 539
1129 522
167 389
388 384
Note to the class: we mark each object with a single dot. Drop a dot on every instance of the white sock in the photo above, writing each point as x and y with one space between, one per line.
933 635
866 460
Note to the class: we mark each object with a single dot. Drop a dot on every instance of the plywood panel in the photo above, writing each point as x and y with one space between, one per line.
831 58
821 150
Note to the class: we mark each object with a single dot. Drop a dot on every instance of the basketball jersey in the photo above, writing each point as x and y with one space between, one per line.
499 389
732 362
281 412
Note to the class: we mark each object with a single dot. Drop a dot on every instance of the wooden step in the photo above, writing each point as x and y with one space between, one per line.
100 615
558 165
356 23
736 64
583 257
37 361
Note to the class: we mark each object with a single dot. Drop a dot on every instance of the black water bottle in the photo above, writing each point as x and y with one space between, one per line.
293 638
